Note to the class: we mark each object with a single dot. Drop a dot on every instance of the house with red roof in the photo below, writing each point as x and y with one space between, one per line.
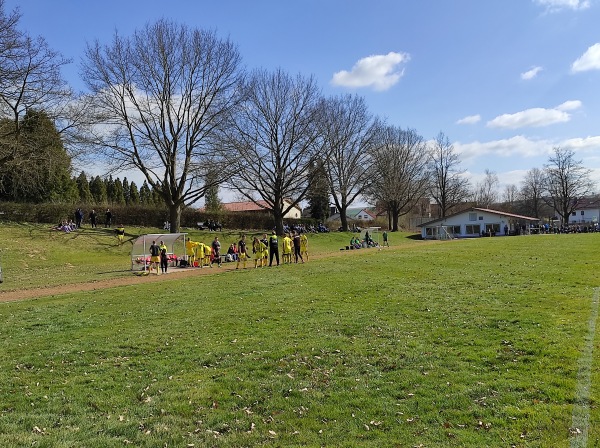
261 206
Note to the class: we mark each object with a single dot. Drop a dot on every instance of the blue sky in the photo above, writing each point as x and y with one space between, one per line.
505 80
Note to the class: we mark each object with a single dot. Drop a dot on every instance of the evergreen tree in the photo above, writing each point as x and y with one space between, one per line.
65 190
98 190
110 189
134 194
157 198
44 165
118 193
145 194
83 186
126 191
318 192
212 203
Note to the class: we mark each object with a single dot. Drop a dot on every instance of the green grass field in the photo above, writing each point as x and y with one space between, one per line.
474 343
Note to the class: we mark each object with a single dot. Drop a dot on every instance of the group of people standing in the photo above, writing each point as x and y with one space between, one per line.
262 250
268 248
93 216
159 257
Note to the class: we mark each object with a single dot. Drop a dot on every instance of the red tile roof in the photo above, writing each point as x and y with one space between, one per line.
246 206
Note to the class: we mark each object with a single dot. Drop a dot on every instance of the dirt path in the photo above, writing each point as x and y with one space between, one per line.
174 273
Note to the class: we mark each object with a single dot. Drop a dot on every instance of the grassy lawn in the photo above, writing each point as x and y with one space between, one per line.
34 256
474 343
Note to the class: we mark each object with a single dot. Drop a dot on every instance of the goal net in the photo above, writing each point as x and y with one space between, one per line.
371 235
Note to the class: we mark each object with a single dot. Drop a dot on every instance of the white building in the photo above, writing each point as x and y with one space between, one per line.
475 222
587 212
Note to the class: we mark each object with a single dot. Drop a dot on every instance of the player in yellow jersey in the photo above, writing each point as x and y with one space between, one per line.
120 233
259 248
304 246
190 251
287 249
242 252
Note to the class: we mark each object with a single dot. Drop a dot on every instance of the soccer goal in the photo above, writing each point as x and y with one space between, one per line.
373 234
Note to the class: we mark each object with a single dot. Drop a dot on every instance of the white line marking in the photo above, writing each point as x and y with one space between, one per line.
581 409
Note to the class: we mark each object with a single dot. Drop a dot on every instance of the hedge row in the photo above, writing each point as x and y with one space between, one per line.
143 216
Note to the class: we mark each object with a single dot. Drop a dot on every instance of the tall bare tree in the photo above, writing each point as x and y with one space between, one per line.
160 96
486 191
567 182
448 187
272 142
399 171
348 130
532 189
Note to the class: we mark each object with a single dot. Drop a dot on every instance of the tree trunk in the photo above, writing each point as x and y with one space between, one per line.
278 218
175 217
395 220
344 218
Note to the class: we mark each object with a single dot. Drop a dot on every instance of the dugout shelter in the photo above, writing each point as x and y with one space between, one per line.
140 252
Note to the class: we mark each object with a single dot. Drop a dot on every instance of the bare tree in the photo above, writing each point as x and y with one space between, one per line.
398 172
567 181
486 193
448 186
160 97
510 197
272 142
347 129
532 188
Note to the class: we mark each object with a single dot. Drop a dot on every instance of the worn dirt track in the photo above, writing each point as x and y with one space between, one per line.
174 273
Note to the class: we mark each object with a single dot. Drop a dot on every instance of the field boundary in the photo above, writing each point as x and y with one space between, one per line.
581 409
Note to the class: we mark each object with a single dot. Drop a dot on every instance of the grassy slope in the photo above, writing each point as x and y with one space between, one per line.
463 343
35 256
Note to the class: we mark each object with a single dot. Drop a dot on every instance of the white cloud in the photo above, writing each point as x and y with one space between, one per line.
471 119
590 60
478 154
530 74
557 5
569 105
523 147
535 117
582 143
517 146
378 71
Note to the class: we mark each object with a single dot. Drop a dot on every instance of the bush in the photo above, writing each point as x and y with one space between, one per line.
143 216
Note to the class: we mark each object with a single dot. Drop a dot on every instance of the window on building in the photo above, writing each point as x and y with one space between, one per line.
472 229
455 230
582 213
493 227
472 216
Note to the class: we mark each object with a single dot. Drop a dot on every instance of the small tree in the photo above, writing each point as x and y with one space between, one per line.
212 203
567 181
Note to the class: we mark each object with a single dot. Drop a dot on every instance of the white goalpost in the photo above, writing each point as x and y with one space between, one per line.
374 234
